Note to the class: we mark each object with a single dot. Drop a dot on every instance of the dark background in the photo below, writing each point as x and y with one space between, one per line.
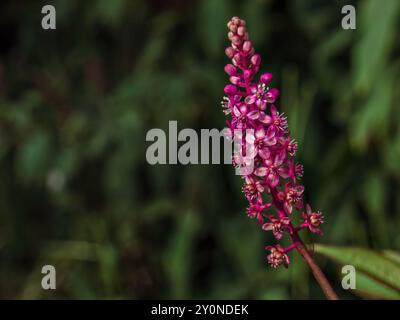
76 191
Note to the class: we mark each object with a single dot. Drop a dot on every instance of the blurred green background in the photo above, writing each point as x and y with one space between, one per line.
76 191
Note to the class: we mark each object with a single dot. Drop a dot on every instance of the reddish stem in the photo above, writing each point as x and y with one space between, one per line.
316 270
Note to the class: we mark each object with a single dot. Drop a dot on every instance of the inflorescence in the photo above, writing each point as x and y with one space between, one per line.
274 182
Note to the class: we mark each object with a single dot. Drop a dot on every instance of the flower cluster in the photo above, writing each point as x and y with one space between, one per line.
274 180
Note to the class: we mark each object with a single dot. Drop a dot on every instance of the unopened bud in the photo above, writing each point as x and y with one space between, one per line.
266 78
234 79
247 74
230 69
236 58
247 46
255 60
241 31
236 40
230 90
230 52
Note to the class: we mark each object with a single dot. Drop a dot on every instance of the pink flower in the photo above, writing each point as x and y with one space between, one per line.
253 189
312 220
272 169
255 211
243 115
262 139
277 226
276 119
228 103
294 171
258 96
293 195
289 144
277 256
244 163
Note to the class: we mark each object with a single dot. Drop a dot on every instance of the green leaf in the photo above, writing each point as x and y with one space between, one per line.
392 255
377 276
370 288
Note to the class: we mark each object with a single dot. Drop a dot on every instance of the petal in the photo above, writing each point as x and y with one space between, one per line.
273 180
260 133
287 260
250 138
264 118
261 104
279 159
250 99
260 188
287 207
270 142
268 226
261 172
249 180
284 172
278 235
253 115
264 153
271 132
236 112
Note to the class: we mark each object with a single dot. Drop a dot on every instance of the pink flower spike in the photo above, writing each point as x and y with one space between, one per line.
266 153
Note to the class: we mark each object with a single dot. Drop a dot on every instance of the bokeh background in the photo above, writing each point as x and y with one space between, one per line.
76 191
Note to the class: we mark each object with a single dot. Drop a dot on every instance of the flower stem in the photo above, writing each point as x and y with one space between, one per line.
316 270
301 248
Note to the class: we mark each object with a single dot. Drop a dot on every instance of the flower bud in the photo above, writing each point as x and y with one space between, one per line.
247 46
236 40
241 31
255 60
230 90
235 20
230 69
230 52
233 28
236 59
234 79
247 74
266 78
